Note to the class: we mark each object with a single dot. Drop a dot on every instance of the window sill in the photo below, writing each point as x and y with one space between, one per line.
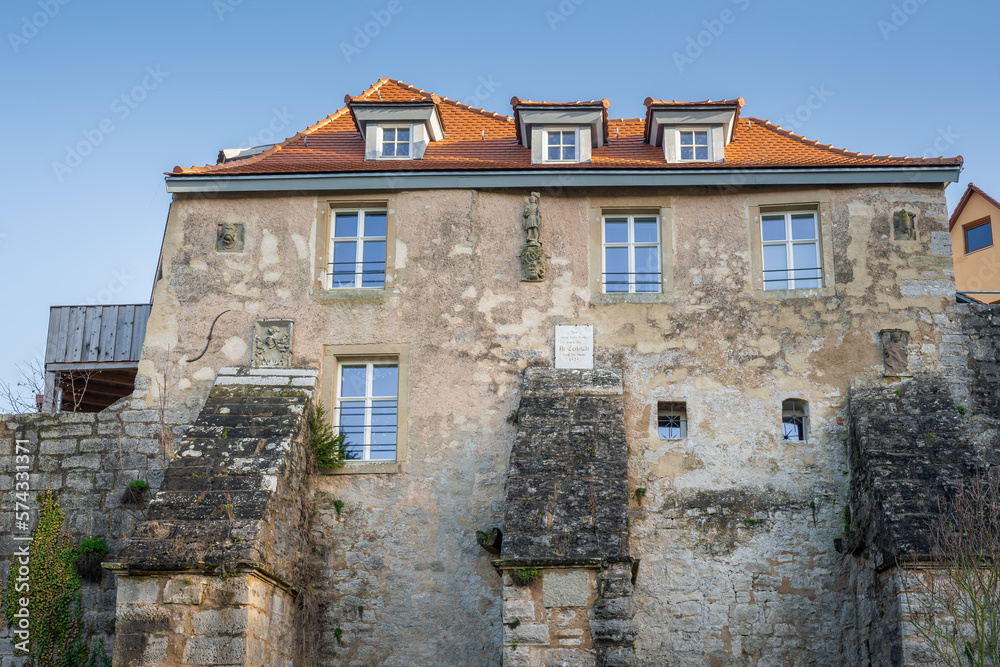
608 298
354 294
784 294
366 468
973 252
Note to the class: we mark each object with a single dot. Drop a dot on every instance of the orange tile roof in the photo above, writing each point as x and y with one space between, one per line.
476 139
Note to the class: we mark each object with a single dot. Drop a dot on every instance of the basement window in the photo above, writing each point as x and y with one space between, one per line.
794 419
671 420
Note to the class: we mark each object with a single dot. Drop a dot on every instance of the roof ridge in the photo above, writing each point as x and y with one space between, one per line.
841 151
480 110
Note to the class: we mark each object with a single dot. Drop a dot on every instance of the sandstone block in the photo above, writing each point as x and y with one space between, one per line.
181 591
529 633
566 589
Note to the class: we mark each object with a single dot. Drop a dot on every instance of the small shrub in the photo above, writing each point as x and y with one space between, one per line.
640 494
88 560
961 410
338 634
328 448
523 576
135 492
339 506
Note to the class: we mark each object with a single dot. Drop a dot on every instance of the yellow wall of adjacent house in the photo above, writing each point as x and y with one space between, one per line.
980 270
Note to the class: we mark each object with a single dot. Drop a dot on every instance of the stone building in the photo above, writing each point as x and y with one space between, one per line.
597 378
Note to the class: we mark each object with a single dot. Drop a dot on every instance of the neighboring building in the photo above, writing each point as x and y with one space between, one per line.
618 351
977 257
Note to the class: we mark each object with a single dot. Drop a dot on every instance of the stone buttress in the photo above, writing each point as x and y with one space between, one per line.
567 574
210 577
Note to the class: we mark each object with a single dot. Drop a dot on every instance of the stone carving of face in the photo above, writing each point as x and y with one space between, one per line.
228 235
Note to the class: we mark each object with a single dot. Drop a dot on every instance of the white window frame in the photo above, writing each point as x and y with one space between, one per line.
672 409
681 131
631 244
790 244
369 363
360 240
381 142
795 408
575 131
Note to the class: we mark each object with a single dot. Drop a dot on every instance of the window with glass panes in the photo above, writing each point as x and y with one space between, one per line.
794 419
395 142
357 249
367 409
560 145
694 145
790 248
671 420
631 253
978 235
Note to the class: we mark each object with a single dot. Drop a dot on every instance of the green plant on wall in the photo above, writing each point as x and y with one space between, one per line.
52 591
328 448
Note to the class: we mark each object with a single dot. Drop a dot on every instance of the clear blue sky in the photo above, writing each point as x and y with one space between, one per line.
907 78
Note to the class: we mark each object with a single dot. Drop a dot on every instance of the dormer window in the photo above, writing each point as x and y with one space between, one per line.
561 133
395 142
397 130
561 145
694 145
692 131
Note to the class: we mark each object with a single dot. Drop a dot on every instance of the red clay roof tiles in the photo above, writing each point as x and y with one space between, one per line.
476 139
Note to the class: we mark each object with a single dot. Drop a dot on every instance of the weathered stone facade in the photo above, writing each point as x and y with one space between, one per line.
912 447
716 547
210 577
88 460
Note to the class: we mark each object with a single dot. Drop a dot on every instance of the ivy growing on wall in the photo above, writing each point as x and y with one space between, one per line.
57 635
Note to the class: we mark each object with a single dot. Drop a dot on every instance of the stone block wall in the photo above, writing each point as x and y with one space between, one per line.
194 619
566 520
88 460
912 445
211 577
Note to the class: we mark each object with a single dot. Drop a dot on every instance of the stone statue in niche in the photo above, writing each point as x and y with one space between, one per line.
272 344
532 259
230 237
903 226
894 350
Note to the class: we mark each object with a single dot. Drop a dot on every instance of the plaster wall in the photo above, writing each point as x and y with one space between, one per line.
979 270
736 529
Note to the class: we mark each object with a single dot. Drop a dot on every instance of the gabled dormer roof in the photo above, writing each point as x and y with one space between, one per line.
476 140
593 113
972 189
729 109
414 105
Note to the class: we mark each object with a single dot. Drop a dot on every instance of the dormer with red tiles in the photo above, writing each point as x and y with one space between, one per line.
397 129
563 133
692 131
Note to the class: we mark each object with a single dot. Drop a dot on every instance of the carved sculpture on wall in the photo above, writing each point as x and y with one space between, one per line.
230 237
272 344
532 258
904 226
894 350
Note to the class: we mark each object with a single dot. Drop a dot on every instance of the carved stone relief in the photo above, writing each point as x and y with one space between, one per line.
230 237
904 226
894 351
532 258
272 344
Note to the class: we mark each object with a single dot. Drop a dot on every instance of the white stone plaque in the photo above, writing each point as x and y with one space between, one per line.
575 346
